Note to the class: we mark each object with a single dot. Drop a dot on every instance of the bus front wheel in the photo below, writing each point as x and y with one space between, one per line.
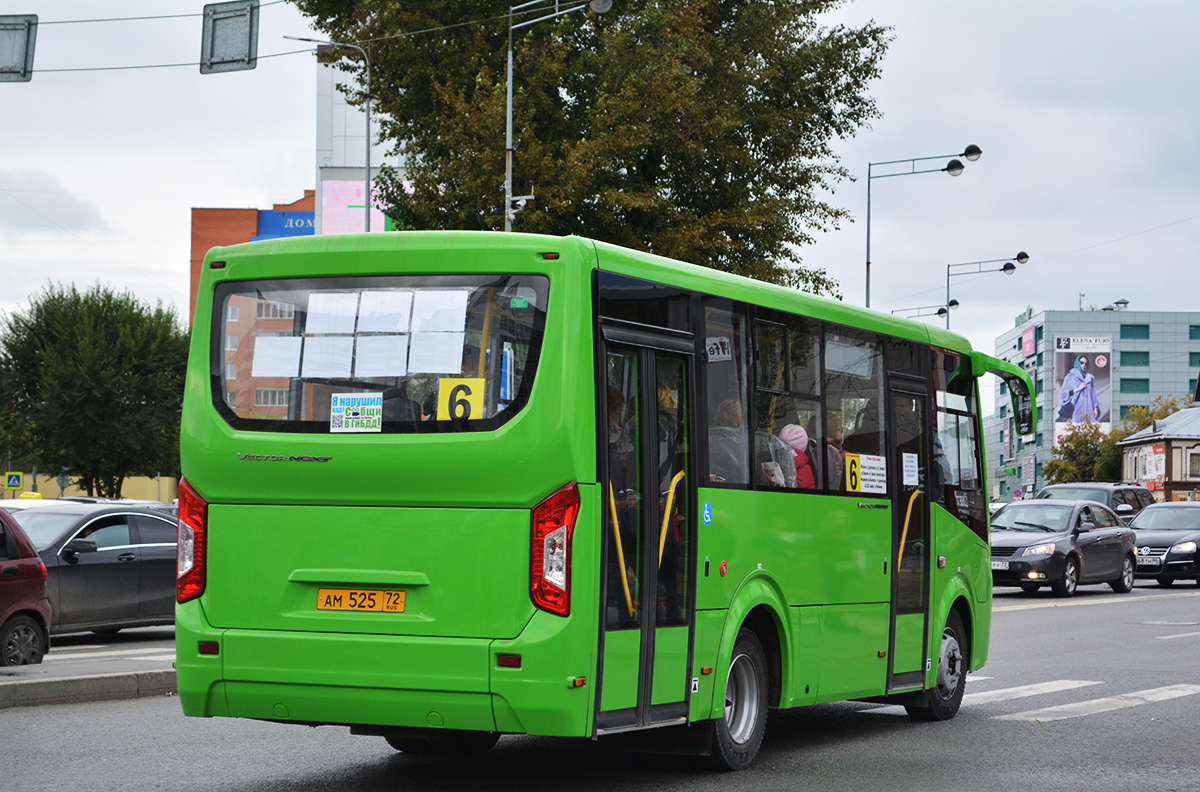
953 661
738 734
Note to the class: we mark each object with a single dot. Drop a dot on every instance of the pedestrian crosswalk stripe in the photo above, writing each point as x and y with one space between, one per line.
1024 691
1177 635
1109 704
132 654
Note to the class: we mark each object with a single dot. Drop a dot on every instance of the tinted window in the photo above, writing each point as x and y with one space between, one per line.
154 531
1075 493
7 545
107 532
1145 498
1162 518
1104 518
725 377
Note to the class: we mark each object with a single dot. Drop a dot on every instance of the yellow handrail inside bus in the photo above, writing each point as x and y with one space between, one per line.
612 501
662 538
904 533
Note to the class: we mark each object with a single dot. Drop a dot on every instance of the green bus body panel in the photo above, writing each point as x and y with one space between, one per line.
803 540
622 650
670 665
908 651
267 563
852 638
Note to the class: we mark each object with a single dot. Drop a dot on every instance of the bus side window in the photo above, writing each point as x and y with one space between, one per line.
727 391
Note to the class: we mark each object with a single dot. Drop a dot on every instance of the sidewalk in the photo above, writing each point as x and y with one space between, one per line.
79 674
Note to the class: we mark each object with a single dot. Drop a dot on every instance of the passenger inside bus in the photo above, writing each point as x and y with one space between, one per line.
797 439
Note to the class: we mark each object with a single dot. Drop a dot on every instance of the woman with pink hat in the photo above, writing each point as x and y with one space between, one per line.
797 440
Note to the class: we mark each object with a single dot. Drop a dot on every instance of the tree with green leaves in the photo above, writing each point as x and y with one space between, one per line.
93 383
1087 454
696 129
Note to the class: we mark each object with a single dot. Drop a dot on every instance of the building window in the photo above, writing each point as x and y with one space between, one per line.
270 397
1124 412
1129 385
230 371
1194 465
1129 358
1038 386
231 398
1038 336
1193 359
231 313
1194 333
1040 361
1192 385
1132 332
231 343
268 309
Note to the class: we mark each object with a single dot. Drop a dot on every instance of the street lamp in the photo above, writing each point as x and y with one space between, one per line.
367 105
514 204
1008 269
954 167
928 310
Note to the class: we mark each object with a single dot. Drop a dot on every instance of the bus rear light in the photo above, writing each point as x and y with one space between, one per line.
208 648
190 556
553 524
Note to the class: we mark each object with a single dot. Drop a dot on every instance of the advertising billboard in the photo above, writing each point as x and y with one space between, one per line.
1082 382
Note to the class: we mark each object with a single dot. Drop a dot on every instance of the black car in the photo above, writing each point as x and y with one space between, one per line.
108 567
1125 499
1166 536
1062 544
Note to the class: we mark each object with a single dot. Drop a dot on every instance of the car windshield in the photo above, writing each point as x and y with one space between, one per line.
1167 519
1032 517
1075 493
44 527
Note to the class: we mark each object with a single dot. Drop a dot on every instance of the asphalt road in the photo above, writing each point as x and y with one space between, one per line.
1098 692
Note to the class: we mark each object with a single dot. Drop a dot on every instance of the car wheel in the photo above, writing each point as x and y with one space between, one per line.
953 662
446 743
1066 585
1124 584
1029 588
1164 581
21 642
738 735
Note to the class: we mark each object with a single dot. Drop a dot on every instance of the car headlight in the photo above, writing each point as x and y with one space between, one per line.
1184 547
1042 549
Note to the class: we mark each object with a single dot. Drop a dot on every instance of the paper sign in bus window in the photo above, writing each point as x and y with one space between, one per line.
436 353
385 311
276 356
327 356
440 311
866 473
331 312
356 412
381 356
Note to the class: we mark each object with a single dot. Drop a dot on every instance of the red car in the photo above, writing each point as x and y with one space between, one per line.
24 606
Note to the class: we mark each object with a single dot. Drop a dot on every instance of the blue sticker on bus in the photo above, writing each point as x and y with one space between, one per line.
707 513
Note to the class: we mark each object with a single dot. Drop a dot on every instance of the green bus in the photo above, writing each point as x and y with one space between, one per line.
445 486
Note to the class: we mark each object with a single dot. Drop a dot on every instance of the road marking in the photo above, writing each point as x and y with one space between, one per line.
1024 691
1083 603
1097 706
989 696
1177 635
129 653
170 657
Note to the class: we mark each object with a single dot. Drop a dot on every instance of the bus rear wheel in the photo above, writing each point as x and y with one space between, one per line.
738 735
953 662
445 743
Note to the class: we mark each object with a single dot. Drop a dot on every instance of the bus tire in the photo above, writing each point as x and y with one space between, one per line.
738 735
445 744
953 662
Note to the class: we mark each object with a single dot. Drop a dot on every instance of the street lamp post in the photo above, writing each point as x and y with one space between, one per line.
367 106
928 310
514 204
1008 269
954 167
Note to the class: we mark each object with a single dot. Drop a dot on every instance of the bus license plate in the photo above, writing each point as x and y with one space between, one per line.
1000 565
360 600
1149 561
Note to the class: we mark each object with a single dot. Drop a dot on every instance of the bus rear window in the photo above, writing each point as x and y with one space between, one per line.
395 354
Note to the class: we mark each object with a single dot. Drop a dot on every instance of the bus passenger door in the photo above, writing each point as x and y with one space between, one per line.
909 403
648 562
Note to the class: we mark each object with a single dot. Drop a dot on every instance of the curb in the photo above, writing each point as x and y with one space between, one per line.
98 687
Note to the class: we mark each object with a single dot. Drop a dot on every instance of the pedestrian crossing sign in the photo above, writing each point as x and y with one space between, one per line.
14 481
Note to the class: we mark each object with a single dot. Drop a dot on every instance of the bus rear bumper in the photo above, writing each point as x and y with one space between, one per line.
378 680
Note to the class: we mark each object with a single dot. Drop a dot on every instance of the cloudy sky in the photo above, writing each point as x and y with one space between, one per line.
1084 110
